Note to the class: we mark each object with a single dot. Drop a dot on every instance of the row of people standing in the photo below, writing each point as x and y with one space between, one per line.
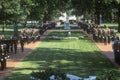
106 35
29 34
7 46
116 49
10 45
3 56
34 33
100 34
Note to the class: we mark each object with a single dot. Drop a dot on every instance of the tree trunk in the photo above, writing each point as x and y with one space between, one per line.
97 11
97 18
24 24
47 17
15 30
44 19
3 28
119 18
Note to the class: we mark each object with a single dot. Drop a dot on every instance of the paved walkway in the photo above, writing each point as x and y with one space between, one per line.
106 50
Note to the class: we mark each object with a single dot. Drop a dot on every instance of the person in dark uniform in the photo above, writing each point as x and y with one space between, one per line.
116 50
15 45
22 42
95 35
3 56
105 36
8 45
114 46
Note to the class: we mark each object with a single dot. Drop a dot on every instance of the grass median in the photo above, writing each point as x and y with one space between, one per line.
79 56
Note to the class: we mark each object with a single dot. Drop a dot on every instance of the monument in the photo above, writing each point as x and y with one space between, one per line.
67 25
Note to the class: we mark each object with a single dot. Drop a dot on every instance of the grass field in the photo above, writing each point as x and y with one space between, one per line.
80 57
115 25
9 29
109 24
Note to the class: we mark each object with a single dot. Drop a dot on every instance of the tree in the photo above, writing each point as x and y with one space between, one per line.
115 4
26 6
3 14
82 7
45 10
14 11
118 15
53 7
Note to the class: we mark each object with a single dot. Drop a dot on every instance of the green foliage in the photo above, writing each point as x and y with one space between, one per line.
14 10
46 10
82 6
108 75
47 73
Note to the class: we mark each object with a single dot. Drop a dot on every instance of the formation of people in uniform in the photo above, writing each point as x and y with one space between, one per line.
3 56
100 34
9 45
116 49
104 35
33 34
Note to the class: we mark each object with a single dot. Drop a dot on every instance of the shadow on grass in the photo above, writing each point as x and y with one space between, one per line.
73 61
8 33
75 35
70 61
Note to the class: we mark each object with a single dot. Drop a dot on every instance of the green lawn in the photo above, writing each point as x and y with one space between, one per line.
110 25
8 30
80 57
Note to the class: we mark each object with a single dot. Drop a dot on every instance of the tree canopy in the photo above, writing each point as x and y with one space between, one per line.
12 11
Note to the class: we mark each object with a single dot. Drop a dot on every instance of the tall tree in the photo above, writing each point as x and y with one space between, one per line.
115 4
26 6
118 15
53 7
12 11
81 7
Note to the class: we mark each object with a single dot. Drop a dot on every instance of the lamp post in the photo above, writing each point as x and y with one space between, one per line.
100 18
